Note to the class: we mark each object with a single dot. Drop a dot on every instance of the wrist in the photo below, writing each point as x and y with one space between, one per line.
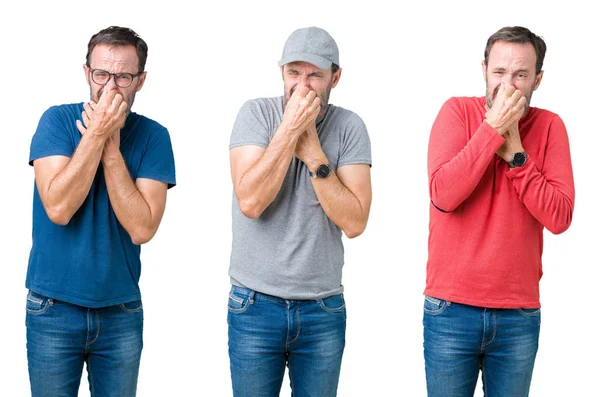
518 159
494 127
314 163
508 156
97 141
110 155
285 130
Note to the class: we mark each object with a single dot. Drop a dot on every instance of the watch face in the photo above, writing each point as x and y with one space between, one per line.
323 171
518 159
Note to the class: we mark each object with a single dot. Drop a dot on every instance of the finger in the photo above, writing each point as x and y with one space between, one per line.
123 108
310 96
508 90
107 96
87 113
116 104
314 109
521 104
316 104
501 88
92 104
85 118
302 91
300 111
516 95
80 127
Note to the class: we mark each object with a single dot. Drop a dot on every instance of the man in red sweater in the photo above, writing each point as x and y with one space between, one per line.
499 172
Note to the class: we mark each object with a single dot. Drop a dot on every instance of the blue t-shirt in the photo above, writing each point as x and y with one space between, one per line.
92 261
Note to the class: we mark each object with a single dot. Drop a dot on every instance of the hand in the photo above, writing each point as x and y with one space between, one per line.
88 111
301 110
513 143
507 109
309 150
105 117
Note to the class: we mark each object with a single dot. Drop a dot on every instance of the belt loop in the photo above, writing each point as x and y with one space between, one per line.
251 296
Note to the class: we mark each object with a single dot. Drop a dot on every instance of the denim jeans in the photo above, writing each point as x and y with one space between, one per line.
61 337
460 340
266 333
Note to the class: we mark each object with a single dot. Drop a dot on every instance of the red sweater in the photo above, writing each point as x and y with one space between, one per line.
486 219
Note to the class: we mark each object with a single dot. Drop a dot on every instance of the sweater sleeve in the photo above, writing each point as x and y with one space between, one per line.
456 163
548 190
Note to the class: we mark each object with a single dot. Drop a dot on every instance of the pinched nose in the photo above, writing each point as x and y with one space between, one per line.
508 79
303 82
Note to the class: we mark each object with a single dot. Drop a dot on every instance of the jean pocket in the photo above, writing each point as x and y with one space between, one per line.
333 304
434 306
529 312
238 303
37 304
132 307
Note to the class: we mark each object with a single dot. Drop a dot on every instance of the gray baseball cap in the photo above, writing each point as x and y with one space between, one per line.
313 45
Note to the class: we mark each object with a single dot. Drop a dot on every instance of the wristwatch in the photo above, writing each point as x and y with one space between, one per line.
321 172
519 159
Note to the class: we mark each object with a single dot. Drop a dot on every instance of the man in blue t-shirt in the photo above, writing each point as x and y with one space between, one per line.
101 180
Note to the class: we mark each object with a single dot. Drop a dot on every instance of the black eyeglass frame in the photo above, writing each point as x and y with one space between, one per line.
114 76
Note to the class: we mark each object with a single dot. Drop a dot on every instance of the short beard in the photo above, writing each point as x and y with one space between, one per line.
324 98
489 101
101 90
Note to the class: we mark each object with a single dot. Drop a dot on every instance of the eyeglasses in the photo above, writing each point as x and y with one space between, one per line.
122 80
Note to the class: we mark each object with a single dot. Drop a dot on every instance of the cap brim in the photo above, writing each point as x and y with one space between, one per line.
313 59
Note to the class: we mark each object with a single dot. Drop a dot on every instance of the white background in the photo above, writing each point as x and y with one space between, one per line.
399 65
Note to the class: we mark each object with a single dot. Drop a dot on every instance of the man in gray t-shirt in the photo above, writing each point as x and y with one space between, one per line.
301 175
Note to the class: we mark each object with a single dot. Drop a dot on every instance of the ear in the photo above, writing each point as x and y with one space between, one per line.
538 80
142 80
86 71
336 77
483 70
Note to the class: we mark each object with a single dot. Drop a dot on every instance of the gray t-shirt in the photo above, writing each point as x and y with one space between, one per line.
293 250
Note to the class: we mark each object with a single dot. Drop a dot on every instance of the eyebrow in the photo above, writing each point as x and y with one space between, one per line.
317 73
502 69
104 70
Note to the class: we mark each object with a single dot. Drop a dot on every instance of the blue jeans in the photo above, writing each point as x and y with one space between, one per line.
61 337
459 340
266 333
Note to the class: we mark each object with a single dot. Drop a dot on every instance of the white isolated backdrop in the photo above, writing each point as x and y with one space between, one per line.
400 63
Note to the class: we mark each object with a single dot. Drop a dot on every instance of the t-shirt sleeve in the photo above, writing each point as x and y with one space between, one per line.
356 145
52 136
158 162
251 127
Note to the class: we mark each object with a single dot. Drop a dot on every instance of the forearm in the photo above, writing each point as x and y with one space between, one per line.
131 209
550 202
453 179
341 206
66 192
259 185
